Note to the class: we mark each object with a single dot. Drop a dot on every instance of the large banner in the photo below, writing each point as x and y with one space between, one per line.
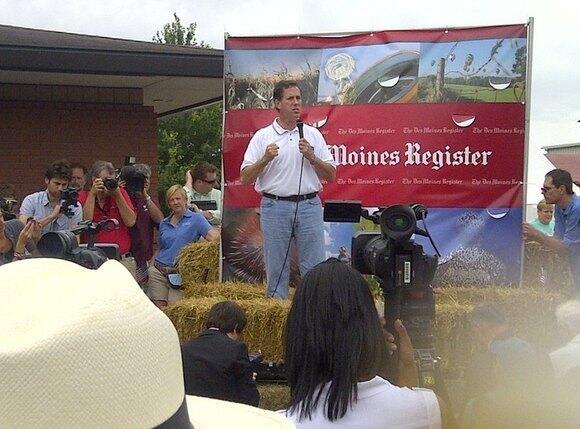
429 116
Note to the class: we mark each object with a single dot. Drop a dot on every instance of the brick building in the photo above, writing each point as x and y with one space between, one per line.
85 97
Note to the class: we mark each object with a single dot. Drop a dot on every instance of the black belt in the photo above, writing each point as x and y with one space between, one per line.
294 198
164 269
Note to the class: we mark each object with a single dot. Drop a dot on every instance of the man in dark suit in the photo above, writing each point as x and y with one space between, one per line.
216 364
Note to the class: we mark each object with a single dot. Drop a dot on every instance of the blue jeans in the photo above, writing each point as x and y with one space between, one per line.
276 222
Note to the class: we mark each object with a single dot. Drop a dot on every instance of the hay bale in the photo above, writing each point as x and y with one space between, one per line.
544 268
452 336
273 396
199 262
188 315
529 311
230 290
464 295
264 331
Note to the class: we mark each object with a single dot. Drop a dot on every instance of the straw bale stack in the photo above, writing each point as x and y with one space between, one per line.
199 262
546 269
264 331
498 294
273 396
529 310
230 290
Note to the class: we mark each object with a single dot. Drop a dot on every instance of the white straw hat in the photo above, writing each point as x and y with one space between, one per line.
86 348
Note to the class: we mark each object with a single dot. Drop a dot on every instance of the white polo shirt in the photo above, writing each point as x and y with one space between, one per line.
282 175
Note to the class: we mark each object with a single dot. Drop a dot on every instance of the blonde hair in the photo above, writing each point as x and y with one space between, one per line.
172 190
542 205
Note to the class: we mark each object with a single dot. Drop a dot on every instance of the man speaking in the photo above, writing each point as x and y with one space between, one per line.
286 160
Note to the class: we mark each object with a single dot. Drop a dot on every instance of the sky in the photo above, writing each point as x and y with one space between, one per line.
555 86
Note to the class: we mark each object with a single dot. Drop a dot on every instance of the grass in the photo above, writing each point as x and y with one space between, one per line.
456 92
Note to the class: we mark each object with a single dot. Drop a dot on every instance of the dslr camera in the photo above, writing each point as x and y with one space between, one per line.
111 183
133 178
68 201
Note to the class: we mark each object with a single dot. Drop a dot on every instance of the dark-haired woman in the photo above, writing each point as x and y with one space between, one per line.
335 348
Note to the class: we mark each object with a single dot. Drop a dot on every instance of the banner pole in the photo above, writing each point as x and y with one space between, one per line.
528 100
223 184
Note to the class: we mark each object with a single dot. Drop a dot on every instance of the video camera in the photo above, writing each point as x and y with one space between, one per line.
68 201
64 244
404 272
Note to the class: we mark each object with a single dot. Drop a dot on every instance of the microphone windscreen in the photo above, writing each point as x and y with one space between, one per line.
300 126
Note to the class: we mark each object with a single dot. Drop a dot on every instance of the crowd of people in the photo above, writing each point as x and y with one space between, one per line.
337 351
558 193
121 197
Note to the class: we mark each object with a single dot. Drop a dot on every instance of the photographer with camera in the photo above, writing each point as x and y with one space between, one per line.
216 363
56 208
106 200
136 180
199 186
17 240
335 353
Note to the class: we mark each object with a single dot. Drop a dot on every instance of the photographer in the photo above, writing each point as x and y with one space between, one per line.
106 200
216 364
199 186
16 239
335 351
136 179
47 206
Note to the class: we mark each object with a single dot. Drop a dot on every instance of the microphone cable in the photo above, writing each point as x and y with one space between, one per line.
300 126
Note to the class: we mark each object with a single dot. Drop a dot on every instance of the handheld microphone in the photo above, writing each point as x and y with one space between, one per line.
300 126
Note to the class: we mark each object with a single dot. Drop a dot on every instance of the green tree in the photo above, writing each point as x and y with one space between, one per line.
190 137
187 139
520 60
174 33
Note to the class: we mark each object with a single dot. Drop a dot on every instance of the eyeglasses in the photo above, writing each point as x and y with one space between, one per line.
545 189
209 182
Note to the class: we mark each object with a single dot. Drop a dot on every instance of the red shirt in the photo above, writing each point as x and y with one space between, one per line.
110 210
